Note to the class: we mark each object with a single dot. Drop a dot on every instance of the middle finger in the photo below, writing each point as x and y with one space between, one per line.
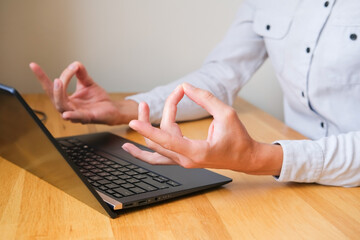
68 73
170 110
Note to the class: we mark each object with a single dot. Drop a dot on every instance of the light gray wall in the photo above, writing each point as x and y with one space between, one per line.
127 45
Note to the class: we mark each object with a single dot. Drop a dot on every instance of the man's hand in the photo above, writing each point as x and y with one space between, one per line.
228 145
89 103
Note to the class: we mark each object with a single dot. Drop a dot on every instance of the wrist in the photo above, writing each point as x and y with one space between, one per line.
127 111
267 160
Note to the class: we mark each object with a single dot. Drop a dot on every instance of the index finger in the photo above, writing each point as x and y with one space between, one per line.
174 143
68 73
170 108
78 69
44 80
206 100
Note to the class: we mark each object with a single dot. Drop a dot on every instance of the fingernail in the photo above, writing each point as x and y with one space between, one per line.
177 89
73 66
188 86
124 147
131 124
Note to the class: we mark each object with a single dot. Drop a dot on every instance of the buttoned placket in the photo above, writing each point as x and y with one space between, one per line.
309 51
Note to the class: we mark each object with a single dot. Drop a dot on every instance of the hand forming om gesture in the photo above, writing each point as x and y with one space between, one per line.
89 103
227 146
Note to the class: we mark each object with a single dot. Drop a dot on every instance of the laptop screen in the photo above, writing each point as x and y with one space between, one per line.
25 141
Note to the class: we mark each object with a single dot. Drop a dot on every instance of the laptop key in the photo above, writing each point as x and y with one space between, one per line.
108 156
111 185
116 173
108 162
132 166
88 174
88 167
172 183
94 162
131 173
109 191
66 143
141 170
163 179
127 185
145 186
132 180
140 176
81 164
123 169
96 170
123 191
96 178
137 190
116 165
151 174
117 195
109 169
101 166
104 174
160 180
111 178
120 181
124 176
103 182
155 183
95 184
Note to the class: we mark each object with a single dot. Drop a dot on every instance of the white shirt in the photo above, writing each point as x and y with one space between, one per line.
314 47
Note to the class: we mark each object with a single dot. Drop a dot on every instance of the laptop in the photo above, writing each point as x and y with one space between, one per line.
93 168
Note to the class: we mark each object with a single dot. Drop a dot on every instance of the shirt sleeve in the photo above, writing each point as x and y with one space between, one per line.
224 72
333 160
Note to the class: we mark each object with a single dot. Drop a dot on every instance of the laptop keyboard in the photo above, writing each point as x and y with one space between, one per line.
112 175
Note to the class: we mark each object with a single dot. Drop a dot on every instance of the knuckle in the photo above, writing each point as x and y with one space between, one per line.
187 164
200 159
167 145
229 112
79 65
150 143
207 95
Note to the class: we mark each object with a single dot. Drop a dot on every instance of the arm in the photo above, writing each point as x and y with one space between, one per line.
333 160
224 147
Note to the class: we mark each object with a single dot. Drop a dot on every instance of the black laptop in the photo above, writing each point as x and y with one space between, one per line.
92 168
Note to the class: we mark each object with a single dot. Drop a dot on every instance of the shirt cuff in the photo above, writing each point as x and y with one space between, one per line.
303 161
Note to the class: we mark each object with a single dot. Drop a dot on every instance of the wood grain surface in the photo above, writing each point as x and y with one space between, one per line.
251 207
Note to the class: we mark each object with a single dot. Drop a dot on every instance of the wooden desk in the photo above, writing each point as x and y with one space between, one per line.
251 207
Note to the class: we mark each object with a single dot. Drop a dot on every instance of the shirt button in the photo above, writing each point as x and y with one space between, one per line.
322 124
353 36
302 94
308 50
268 27
326 4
